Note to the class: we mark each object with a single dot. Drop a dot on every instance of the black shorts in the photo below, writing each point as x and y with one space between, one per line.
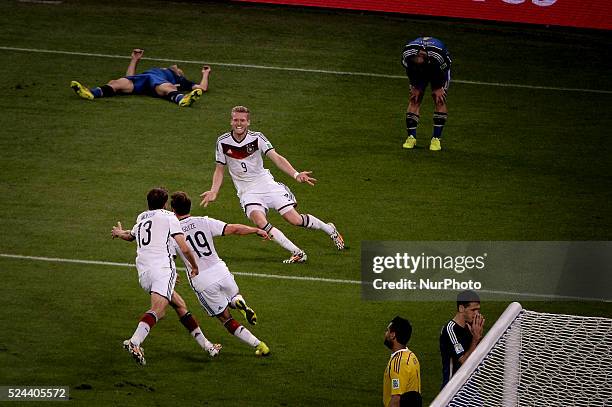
421 77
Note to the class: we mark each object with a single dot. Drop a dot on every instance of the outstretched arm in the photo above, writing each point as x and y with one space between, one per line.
211 195
136 55
283 164
182 244
118 231
239 229
204 82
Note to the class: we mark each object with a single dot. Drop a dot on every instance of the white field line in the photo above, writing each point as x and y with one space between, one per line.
319 71
108 263
275 276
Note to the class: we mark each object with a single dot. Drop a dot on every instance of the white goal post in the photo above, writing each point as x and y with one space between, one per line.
536 359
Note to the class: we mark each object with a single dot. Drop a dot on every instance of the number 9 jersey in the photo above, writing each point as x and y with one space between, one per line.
244 159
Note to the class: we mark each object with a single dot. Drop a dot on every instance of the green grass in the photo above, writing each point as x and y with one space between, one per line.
517 164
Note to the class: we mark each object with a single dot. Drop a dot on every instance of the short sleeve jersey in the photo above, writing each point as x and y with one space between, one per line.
153 232
402 375
199 233
244 159
439 56
454 342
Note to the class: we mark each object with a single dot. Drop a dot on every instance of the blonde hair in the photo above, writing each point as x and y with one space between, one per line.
241 109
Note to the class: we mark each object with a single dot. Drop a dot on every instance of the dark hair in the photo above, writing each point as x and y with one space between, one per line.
465 297
180 202
402 329
157 198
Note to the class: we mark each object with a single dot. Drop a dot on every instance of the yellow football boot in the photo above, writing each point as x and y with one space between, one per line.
81 90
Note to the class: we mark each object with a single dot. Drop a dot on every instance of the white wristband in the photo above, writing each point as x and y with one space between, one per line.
296 175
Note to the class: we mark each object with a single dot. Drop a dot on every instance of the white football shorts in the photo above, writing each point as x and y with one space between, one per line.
217 296
160 281
276 196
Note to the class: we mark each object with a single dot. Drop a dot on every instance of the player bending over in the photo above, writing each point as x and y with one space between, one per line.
167 83
157 272
427 61
214 285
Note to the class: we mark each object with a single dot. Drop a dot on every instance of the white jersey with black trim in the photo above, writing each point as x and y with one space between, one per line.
199 233
154 231
244 159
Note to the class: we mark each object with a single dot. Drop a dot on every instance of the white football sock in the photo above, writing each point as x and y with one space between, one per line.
312 222
282 240
140 333
246 336
198 335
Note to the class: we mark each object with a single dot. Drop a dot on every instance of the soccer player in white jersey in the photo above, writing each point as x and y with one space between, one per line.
157 273
243 151
214 285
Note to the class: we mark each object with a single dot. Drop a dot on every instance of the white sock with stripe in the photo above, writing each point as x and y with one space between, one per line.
198 335
246 336
140 334
312 222
147 321
280 238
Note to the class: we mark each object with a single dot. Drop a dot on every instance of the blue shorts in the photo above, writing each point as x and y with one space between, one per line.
145 83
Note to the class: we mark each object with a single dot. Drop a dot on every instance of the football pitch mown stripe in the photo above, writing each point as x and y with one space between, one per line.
307 70
276 276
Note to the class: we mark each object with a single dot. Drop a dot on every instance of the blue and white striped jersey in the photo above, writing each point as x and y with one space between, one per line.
437 52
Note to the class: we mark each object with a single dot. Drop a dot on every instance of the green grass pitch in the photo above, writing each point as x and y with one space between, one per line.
519 163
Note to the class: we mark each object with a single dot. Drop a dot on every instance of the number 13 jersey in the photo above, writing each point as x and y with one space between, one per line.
153 232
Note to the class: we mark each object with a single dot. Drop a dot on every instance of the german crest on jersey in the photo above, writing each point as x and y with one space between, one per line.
242 152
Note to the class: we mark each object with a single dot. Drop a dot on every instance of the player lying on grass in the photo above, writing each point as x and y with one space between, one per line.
214 285
168 83
157 272
243 152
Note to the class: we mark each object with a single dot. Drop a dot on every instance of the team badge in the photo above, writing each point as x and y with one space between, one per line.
395 384
250 148
458 348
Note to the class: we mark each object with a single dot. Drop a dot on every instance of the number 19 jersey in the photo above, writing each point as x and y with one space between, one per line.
199 232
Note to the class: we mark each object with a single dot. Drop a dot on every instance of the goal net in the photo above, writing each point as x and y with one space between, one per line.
536 359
